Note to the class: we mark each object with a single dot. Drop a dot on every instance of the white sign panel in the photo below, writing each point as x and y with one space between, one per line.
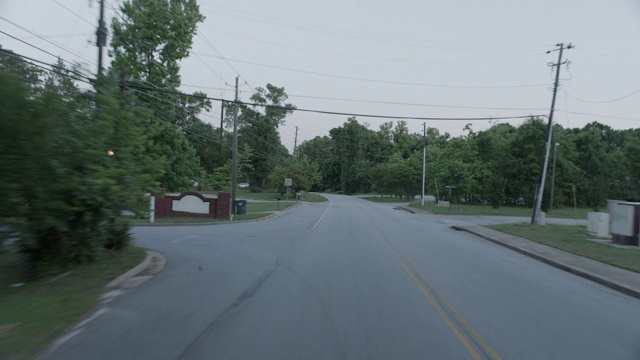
288 182
192 204
622 219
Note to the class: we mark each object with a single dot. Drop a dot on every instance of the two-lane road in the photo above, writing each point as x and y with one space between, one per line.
356 280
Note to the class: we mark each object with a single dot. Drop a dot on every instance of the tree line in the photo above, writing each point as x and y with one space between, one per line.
498 166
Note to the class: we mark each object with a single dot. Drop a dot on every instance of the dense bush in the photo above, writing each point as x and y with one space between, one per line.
72 161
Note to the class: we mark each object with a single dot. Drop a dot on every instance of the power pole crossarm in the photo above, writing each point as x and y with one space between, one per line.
535 216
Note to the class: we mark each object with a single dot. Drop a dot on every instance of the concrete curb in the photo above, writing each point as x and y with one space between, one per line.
132 272
597 278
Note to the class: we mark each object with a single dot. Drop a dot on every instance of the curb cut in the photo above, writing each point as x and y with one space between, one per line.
131 273
584 274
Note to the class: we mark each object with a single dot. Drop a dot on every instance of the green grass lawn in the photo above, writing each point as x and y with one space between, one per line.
573 239
33 315
384 199
464 209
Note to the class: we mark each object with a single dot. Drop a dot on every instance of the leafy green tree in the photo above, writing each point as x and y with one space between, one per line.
258 129
356 150
13 65
69 171
183 166
399 177
151 37
603 164
319 151
526 147
405 143
301 171
220 179
631 151
149 41
493 152
212 150
460 167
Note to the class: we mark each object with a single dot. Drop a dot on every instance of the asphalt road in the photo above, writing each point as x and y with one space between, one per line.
350 279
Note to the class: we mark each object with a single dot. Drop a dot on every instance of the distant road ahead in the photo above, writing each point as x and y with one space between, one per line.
351 279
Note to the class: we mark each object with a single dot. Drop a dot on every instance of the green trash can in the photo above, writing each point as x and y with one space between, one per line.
241 207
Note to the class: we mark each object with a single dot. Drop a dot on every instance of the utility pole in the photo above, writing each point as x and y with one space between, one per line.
295 143
221 122
535 216
101 37
553 175
424 156
234 152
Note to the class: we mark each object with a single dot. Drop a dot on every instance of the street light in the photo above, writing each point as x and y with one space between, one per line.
553 175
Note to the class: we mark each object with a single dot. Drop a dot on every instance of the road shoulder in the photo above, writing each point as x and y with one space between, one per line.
613 277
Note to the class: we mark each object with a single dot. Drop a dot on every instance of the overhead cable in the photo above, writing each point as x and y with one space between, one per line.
341 113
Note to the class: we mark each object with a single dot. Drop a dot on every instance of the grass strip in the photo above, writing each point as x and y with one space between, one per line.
573 239
385 199
520 211
33 315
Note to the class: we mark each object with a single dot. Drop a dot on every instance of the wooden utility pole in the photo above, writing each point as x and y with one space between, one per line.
101 37
295 143
424 157
221 122
234 152
535 216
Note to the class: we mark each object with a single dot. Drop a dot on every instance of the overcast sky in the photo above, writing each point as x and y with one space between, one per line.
413 58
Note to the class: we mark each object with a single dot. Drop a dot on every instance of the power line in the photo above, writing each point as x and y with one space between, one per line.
221 56
65 35
366 36
64 48
414 104
596 115
385 102
378 80
74 13
602 102
395 60
21 57
24 42
349 114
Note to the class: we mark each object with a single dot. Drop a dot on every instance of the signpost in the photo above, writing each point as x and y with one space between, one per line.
449 187
288 182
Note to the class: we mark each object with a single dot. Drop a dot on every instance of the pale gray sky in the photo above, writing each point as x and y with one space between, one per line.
412 58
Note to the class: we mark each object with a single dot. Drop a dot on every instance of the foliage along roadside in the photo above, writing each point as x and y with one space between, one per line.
71 162
499 166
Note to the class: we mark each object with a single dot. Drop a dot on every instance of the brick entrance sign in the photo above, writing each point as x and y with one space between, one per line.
193 204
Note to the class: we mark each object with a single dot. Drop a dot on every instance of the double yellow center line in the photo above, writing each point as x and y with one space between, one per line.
448 313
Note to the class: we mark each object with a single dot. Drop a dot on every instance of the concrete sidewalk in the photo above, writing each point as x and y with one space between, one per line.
613 277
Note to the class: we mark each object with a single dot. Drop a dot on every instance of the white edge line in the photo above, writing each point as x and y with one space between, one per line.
92 317
321 217
76 330
62 340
